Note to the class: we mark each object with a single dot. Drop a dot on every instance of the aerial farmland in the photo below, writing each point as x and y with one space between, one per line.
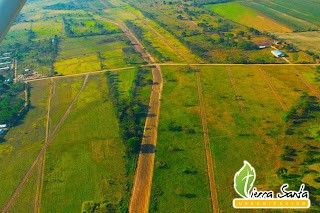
158 106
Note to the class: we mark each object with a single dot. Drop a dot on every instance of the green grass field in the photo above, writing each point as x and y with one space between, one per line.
298 15
247 16
180 180
85 162
257 135
23 143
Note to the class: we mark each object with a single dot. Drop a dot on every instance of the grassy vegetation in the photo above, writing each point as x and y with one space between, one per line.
233 134
247 16
86 141
303 40
301 16
23 143
180 180
209 36
64 91
87 54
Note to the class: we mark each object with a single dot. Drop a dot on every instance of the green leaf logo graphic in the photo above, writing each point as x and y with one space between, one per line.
244 179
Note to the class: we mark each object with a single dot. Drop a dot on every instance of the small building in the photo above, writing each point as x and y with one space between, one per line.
4 58
278 53
3 126
27 70
262 47
6 54
4 68
1 131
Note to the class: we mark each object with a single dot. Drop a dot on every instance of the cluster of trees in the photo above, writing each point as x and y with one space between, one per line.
97 29
130 111
11 102
72 5
301 111
139 32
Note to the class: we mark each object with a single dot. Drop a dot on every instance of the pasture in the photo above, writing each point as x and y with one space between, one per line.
180 179
85 162
298 15
256 134
244 107
248 17
303 40
22 144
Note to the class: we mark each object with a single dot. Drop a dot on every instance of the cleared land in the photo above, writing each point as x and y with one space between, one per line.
88 139
22 144
233 134
248 17
180 181
299 15
304 40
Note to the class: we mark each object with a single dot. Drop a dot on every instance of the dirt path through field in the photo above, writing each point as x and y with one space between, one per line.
141 189
45 146
41 164
310 86
212 183
236 90
273 89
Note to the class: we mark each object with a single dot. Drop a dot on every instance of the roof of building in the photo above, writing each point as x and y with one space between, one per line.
278 53
1 131
3 125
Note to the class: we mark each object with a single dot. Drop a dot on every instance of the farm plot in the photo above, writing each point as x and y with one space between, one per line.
22 144
86 54
256 134
247 17
300 16
303 40
85 162
180 179
159 42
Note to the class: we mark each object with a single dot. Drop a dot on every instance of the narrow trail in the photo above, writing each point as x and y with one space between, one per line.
211 176
81 74
273 89
41 164
236 90
310 86
44 148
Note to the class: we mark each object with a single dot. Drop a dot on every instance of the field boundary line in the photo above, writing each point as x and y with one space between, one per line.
44 147
41 165
211 176
310 86
273 89
236 90
81 74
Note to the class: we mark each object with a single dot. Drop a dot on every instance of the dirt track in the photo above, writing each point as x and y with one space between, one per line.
236 90
44 148
212 182
41 164
273 89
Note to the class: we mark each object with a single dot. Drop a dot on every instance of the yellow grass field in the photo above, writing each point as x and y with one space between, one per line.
304 40
81 64
248 17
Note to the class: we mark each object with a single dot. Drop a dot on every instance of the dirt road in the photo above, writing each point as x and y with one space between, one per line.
41 164
80 74
44 148
212 182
